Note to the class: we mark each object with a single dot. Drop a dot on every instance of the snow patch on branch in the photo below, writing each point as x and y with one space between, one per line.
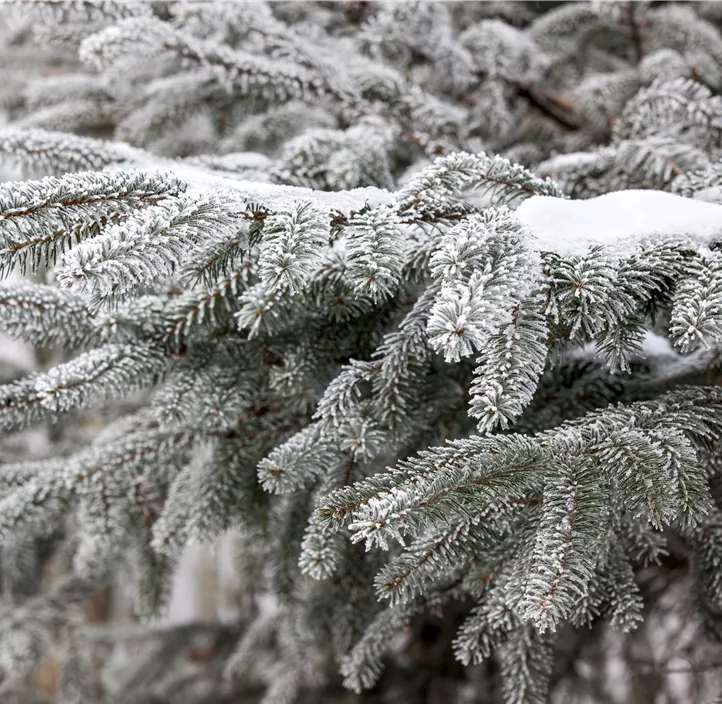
271 195
618 221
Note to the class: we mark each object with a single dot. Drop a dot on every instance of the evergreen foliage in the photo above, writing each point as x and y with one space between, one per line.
289 276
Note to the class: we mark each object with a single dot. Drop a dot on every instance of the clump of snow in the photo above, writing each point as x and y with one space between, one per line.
618 221
655 345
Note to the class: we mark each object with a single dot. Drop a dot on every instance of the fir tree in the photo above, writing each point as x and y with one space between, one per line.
420 303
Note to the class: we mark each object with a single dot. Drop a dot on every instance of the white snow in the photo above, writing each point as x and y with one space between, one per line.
619 221
272 195
658 346
654 346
